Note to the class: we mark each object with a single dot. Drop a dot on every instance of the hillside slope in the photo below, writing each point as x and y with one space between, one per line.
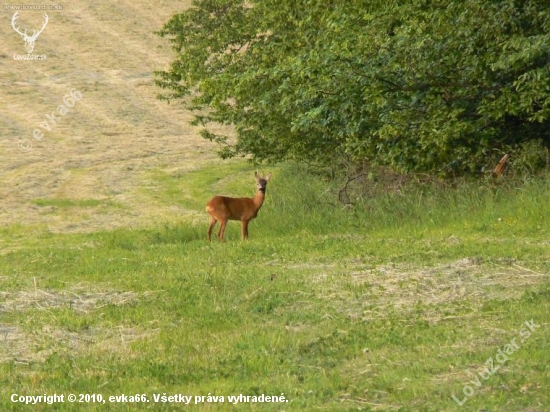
98 158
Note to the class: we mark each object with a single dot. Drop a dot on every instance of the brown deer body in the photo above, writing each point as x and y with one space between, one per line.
223 208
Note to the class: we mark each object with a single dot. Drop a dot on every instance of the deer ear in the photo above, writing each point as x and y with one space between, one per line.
268 177
256 175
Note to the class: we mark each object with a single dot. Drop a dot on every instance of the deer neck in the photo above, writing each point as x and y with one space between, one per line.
258 199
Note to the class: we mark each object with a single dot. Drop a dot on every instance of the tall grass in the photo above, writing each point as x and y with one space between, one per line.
302 201
390 304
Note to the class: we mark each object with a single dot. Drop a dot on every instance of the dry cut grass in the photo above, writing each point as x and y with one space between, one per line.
105 147
21 345
399 287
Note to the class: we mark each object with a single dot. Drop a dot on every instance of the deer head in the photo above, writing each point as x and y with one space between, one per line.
29 40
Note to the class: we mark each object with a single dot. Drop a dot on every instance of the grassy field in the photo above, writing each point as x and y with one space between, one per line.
397 304
108 286
114 139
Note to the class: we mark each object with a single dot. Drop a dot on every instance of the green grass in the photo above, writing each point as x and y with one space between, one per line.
190 189
65 203
394 304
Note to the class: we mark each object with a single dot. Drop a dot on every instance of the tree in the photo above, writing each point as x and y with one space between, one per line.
417 85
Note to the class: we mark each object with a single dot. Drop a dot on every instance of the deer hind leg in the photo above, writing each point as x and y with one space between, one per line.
244 229
213 222
221 232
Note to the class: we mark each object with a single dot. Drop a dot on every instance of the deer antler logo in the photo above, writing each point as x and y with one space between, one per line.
29 40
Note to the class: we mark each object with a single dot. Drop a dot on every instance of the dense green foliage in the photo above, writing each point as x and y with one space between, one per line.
416 85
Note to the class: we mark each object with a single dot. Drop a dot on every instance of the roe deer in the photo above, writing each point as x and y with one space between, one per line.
222 208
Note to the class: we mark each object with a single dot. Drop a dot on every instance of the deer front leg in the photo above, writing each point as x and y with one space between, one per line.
244 229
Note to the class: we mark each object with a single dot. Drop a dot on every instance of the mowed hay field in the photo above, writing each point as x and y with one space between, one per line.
105 148
109 290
